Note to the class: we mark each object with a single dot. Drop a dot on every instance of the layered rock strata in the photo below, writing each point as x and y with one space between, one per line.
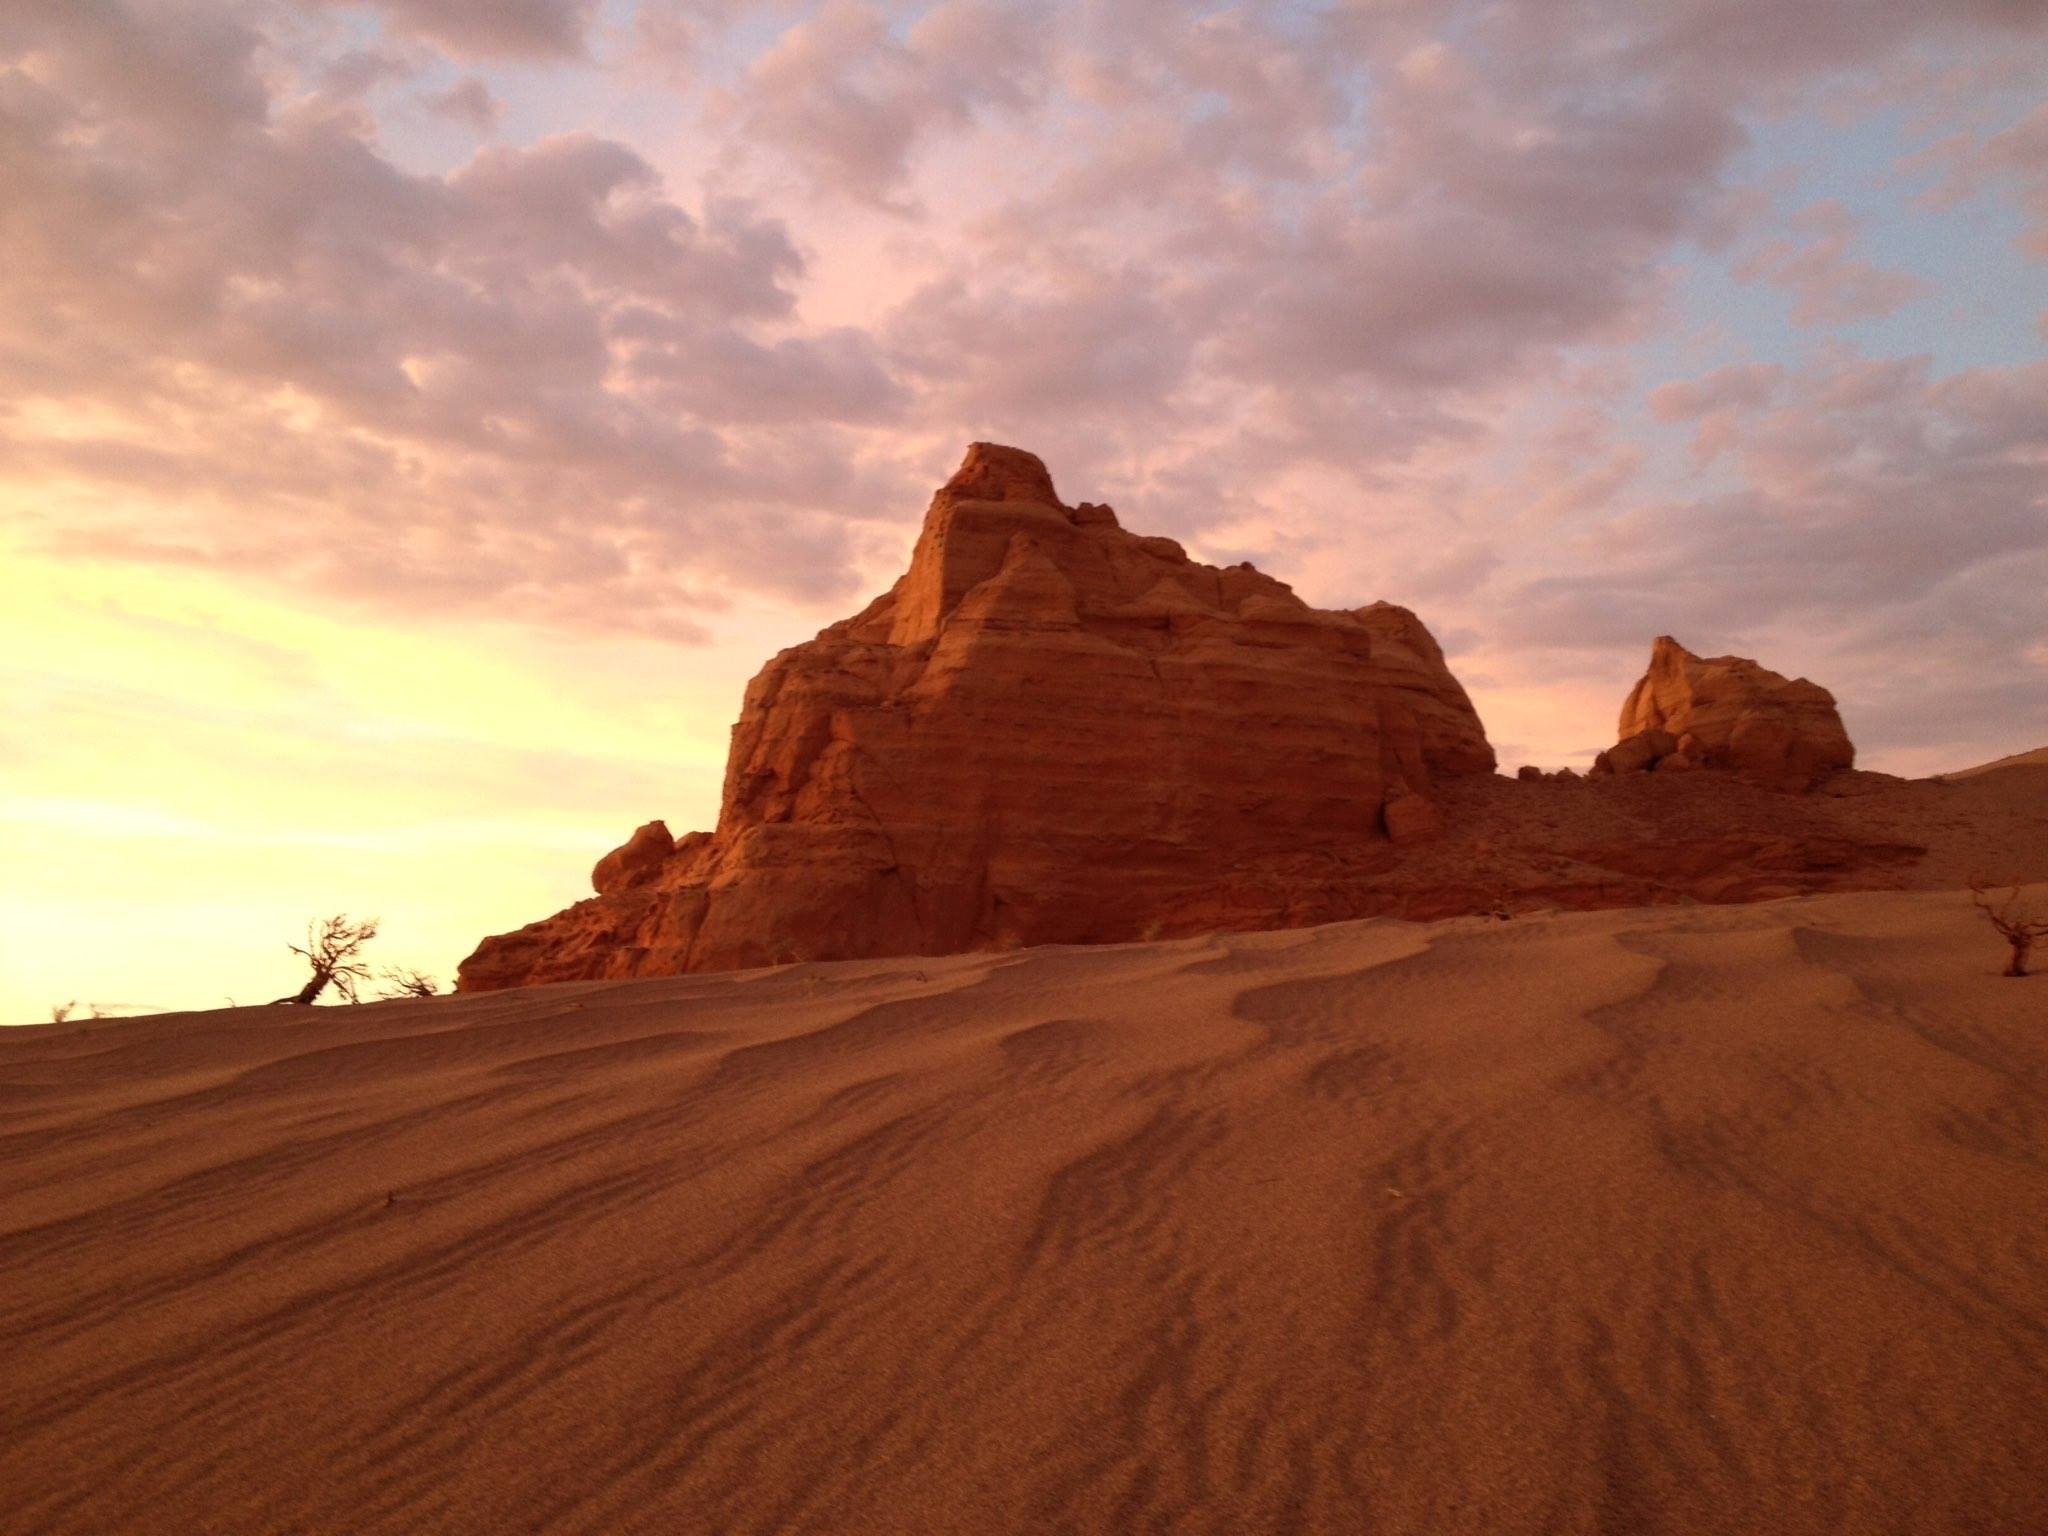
1049 730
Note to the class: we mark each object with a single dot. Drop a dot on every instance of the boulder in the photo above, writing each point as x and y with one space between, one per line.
1048 730
1729 713
636 862
1410 818
1638 753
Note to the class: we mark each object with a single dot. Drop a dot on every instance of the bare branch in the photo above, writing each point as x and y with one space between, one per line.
332 949
408 983
2010 916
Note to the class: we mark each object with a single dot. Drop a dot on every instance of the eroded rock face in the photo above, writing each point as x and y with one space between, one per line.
1411 818
1727 712
635 863
1638 753
1049 730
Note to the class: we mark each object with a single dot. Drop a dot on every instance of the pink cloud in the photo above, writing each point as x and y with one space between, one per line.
848 102
537 29
1899 501
1324 287
1744 386
1830 285
2018 156
469 102
536 372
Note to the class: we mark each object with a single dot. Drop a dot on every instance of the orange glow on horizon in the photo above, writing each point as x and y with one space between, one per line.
192 771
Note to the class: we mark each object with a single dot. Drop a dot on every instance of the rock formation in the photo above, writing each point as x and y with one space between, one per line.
1729 713
1049 730
1052 730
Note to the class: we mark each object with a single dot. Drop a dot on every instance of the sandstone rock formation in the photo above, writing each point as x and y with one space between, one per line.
1049 730
1053 730
637 862
1410 818
1729 713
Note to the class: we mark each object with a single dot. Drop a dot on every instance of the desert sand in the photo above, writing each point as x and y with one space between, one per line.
1693 1219
2038 758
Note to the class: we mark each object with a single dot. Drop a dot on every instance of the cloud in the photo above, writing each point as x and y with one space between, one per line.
1829 284
469 102
2014 158
1715 403
529 29
535 380
1097 339
1410 205
1878 499
1744 386
1452 229
1298 281
849 103
353 75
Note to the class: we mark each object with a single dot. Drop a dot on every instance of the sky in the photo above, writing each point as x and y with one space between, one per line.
419 418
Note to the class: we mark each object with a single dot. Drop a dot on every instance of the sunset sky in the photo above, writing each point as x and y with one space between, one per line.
419 418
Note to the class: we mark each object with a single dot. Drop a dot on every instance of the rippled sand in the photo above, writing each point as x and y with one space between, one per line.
1687 1220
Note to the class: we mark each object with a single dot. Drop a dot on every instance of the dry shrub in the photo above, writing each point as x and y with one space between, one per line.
2014 919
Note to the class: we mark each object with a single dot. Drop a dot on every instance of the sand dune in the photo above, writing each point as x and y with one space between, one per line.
1688 1220
2038 758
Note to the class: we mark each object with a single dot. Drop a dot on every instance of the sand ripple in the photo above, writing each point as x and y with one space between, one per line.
1687 1220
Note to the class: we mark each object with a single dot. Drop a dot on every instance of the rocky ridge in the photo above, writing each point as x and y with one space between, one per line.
1054 730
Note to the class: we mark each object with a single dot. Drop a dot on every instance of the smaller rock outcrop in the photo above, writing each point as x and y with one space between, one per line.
1727 712
1638 753
636 862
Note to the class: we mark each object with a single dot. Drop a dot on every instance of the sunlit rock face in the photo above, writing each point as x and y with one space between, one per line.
1729 713
1049 730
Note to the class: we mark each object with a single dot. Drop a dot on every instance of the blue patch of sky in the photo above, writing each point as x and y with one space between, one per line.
1984 292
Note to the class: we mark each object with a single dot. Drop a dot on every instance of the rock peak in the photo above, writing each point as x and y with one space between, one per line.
993 472
1728 712
995 493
